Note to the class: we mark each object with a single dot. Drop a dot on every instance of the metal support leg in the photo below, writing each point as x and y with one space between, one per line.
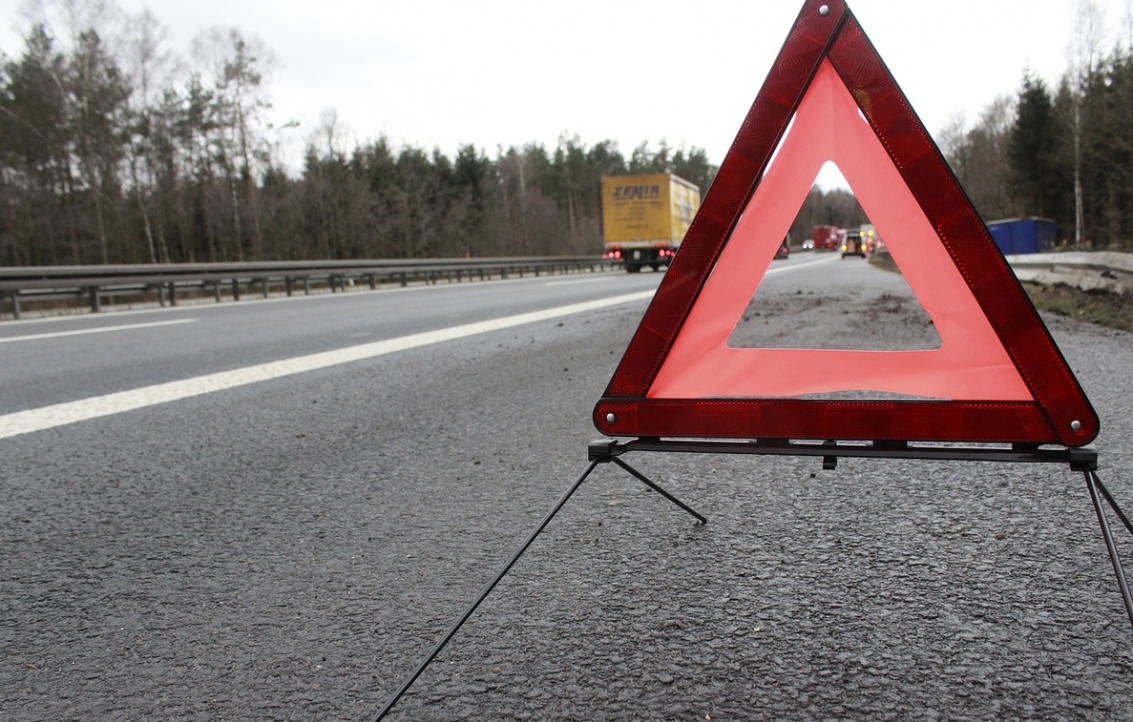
610 450
483 594
1113 504
1094 484
641 477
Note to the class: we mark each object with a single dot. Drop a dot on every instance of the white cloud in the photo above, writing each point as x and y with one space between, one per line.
504 72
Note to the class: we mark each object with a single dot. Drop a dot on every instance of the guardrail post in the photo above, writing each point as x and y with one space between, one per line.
264 281
172 294
287 284
95 301
235 289
373 281
216 290
404 279
160 294
15 296
306 285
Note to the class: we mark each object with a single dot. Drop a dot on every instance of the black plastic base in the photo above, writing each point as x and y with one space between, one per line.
1080 459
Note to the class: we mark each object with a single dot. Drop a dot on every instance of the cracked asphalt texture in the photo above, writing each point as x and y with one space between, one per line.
290 551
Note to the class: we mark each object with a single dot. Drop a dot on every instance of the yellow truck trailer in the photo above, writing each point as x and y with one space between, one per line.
645 218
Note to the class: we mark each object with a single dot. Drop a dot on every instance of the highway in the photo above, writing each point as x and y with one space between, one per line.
271 510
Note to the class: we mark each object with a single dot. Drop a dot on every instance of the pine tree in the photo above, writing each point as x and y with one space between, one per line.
1031 148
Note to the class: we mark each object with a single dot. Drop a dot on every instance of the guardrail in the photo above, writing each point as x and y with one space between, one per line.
1090 271
1108 270
96 283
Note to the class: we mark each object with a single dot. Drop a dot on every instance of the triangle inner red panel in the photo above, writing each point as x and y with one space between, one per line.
999 372
971 363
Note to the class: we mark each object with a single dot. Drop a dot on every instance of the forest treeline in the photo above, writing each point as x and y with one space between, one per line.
114 149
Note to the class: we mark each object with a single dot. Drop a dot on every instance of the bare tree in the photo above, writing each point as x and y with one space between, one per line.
148 66
236 67
979 157
1085 55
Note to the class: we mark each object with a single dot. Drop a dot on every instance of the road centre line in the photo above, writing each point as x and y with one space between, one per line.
49 417
797 266
575 281
101 329
770 271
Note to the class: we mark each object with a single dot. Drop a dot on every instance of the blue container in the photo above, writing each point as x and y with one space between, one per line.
1024 235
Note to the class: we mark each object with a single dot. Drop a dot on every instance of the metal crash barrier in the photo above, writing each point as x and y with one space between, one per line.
96 283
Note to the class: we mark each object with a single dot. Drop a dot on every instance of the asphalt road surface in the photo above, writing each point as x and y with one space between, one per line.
272 510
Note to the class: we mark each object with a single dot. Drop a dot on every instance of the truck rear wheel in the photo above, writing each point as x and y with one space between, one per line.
633 268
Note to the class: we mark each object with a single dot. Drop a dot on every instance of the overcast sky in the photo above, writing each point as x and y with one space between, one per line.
441 73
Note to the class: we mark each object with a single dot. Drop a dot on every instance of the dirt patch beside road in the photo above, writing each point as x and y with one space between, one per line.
1101 307
1096 306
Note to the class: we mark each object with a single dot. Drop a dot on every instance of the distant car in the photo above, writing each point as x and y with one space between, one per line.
784 249
870 238
853 245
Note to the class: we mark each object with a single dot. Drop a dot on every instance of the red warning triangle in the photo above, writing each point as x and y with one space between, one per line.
998 375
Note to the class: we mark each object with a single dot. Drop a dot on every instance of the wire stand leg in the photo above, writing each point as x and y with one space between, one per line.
641 477
1113 504
408 682
1093 483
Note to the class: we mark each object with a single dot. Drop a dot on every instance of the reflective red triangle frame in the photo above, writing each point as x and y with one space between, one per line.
1060 412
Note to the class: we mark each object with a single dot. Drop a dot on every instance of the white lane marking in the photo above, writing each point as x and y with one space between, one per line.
771 270
797 266
48 417
101 329
577 281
